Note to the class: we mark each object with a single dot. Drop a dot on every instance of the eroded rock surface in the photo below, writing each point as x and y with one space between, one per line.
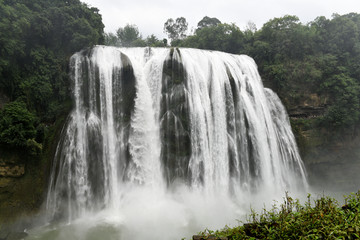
11 169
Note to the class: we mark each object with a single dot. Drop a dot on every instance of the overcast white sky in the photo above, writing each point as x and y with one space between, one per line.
150 15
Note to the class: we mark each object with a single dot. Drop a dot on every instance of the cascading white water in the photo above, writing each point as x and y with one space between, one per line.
149 121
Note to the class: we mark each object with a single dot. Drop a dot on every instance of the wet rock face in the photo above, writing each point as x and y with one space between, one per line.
333 165
22 181
307 112
309 106
176 143
11 170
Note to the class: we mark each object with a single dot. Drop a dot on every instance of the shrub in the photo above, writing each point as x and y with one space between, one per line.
324 219
16 125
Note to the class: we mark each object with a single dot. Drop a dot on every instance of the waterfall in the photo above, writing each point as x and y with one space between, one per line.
157 119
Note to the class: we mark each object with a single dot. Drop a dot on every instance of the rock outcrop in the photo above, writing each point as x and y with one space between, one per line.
11 169
331 157
21 185
307 111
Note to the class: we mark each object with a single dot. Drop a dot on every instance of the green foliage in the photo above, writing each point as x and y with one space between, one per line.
321 57
345 111
34 148
16 125
176 30
322 219
110 39
37 38
222 37
128 35
153 41
207 22
287 37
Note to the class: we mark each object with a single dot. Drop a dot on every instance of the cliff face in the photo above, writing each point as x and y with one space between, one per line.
24 177
333 163
21 184
332 158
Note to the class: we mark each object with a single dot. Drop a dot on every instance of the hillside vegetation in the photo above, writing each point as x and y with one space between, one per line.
322 219
37 38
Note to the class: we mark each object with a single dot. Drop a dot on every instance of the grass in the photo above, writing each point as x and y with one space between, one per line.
323 218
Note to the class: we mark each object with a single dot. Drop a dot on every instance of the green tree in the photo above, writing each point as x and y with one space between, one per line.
16 125
207 22
111 39
128 35
287 37
222 37
345 109
37 38
176 30
153 41
14 24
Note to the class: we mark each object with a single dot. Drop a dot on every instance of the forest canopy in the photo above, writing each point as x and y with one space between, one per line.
37 38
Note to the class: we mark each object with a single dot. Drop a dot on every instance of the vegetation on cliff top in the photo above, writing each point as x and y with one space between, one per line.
37 38
322 219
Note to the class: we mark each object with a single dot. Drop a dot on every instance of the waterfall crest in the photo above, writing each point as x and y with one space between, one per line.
157 118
